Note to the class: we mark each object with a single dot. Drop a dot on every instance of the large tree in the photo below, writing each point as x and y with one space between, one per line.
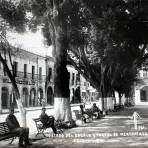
118 38
116 30
63 23
109 27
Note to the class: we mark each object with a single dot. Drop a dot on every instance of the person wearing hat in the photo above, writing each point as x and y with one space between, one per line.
48 121
14 127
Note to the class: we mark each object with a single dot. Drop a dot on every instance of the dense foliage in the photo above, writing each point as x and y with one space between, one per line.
106 40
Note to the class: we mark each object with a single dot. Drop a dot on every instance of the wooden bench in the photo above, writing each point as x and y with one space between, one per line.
41 128
79 116
118 107
5 132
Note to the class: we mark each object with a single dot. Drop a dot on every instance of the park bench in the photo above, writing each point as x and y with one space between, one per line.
118 107
79 116
41 128
5 133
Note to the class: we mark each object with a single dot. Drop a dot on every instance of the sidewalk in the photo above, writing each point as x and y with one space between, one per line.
114 131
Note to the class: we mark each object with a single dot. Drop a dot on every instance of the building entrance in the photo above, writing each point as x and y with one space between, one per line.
50 99
4 97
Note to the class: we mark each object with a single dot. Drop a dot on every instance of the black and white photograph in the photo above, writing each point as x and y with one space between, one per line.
73 73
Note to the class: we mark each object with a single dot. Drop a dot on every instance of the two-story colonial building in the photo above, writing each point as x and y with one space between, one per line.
34 76
30 70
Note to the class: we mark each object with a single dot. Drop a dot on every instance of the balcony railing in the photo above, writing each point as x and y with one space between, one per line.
28 77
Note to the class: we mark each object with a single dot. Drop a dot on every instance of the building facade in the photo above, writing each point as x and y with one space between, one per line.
74 84
34 76
80 89
141 89
31 71
49 83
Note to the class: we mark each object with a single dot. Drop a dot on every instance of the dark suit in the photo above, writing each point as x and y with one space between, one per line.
14 126
96 111
48 121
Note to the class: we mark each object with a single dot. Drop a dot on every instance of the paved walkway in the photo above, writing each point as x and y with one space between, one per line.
115 130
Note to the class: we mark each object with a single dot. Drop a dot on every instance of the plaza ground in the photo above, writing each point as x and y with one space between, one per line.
114 130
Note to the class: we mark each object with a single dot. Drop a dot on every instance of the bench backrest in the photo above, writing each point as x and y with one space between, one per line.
77 114
37 119
3 128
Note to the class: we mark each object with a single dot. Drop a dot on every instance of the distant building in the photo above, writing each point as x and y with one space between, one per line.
74 84
141 88
80 88
88 93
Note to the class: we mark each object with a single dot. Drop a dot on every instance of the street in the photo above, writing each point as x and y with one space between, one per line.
114 130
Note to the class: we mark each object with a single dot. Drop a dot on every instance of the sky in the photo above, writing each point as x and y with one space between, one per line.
30 41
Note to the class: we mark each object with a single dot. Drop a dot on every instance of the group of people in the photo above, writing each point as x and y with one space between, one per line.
89 113
23 132
48 121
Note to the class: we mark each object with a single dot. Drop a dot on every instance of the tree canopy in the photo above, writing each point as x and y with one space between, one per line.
107 38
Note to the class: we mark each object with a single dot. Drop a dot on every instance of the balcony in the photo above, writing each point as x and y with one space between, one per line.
29 76
28 79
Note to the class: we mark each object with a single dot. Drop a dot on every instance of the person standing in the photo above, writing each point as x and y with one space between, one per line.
14 127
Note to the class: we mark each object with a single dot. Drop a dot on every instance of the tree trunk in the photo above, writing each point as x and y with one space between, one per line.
102 100
17 94
22 113
103 103
62 109
61 80
59 35
120 99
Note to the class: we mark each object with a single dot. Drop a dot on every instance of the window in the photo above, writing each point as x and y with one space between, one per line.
49 73
25 70
143 95
145 73
15 68
33 72
83 94
40 73
77 79
4 70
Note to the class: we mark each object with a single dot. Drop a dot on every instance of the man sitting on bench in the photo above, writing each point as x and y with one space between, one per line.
14 127
96 111
85 114
48 121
